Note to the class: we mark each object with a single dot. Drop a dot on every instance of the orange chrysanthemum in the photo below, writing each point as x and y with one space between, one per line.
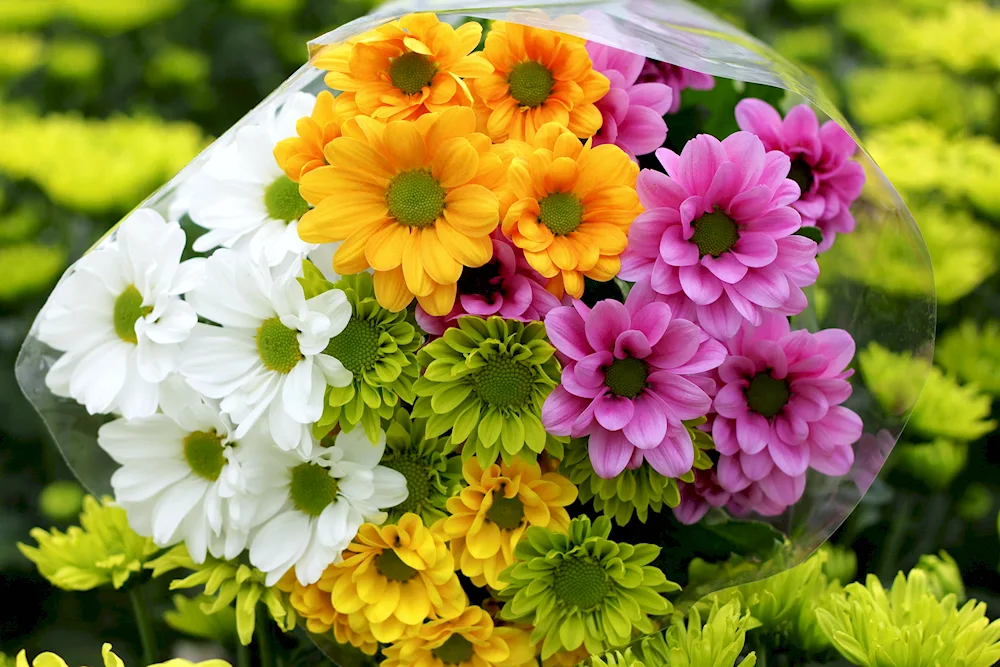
540 76
314 605
414 201
574 206
301 154
468 640
407 68
491 514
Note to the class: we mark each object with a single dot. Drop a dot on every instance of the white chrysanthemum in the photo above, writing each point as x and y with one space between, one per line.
327 497
267 357
244 199
119 319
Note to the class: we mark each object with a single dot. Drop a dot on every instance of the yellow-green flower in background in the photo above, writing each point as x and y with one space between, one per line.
189 617
975 504
6 661
972 353
73 59
101 550
20 54
115 16
616 659
176 65
810 44
29 268
61 500
936 464
110 660
717 643
841 563
943 576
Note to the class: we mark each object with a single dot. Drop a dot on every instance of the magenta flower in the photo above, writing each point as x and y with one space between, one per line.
678 78
821 163
719 230
633 112
627 381
506 286
744 496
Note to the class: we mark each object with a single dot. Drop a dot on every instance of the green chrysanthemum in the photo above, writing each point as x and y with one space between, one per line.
617 659
486 380
431 476
582 588
717 643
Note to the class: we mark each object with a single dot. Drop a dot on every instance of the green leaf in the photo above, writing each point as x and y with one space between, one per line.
312 281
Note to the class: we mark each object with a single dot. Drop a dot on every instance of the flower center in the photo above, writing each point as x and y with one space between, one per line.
507 513
418 482
356 346
455 651
581 582
278 346
561 212
411 72
626 377
283 201
203 452
312 489
530 83
714 233
503 383
802 174
128 310
415 198
766 396
484 280
391 566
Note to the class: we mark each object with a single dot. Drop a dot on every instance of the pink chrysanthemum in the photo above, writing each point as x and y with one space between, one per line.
632 112
506 286
627 381
678 78
740 495
719 230
821 163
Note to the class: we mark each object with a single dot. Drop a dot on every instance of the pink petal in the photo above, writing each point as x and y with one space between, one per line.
794 251
730 474
609 453
762 119
750 312
755 249
783 489
720 319
791 459
670 161
838 347
684 397
613 412
731 401
766 287
674 456
801 129
632 344
566 330
646 230
835 463
725 186
560 410
747 152
700 159
756 466
699 284
648 426
652 320
711 353
642 130
635 266
664 278
607 320
655 96
678 344
589 371
778 222
752 432
836 141
675 250
790 428
724 435
736 368
727 267
840 427
807 402
750 204
587 389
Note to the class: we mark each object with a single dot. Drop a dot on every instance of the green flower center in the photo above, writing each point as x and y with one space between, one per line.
312 489
802 174
503 383
278 346
561 212
455 651
283 201
626 377
203 452
356 346
391 566
128 310
507 513
766 396
411 72
530 83
415 198
581 582
714 234
418 481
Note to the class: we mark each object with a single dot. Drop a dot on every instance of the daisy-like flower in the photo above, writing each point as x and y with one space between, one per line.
414 201
325 498
300 154
821 163
678 78
244 198
486 380
540 77
489 517
631 379
268 356
719 232
747 496
406 68
119 320
574 207
313 604
469 640
583 589
395 576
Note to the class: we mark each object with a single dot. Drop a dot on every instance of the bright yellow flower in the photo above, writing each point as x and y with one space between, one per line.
467 640
413 200
491 514
523 652
110 660
407 68
574 206
313 604
540 77
567 658
301 154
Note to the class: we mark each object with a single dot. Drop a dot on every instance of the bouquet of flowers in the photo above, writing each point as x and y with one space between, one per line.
472 336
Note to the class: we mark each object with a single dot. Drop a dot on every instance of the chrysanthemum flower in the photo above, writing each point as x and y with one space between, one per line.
302 153
468 640
540 77
719 232
118 319
678 78
743 495
489 517
395 576
316 608
583 589
829 179
719 642
406 68
412 200
110 660
486 380
574 208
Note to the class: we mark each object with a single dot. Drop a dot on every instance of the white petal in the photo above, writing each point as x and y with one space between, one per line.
359 450
302 393
153 437
389 487
280 542
331 528
100 375
359 485
138 397
154 362
173 507
286 431
173 325
216 361
333 370
143 480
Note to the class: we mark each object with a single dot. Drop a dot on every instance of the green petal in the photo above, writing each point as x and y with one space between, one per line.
466 420
512 434
490 426
450 397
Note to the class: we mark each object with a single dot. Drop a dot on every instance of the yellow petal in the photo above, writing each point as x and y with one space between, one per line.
440 301
435 258
485 543
451 123
405 146
384 250
455 162
472 210
391 291
471 251
414 605
350 255
356 156
561 175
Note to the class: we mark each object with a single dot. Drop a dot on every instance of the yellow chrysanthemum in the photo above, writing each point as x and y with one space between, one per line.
540 77
314 604
407 68
110 660
414 201
467 640
301 154
575 204
492 512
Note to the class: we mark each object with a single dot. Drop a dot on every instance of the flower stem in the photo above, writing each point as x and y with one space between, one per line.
145 625
888 563
262 633
758 647
242 655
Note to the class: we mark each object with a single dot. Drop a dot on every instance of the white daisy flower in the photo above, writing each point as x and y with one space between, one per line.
327 497
119 319
267 357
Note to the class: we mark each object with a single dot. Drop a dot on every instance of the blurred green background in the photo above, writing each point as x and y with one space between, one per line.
101 101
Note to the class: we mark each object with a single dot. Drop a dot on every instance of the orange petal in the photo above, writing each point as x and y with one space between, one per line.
326 223
455 162
542 263
468 35
563 253
440 301
353 155
391 291
350 256
607 267
451 123
472 210
519 180
469 251
584 120
472 67
405 146
573 283
385 248
417 280
503 118
561 175
436 260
